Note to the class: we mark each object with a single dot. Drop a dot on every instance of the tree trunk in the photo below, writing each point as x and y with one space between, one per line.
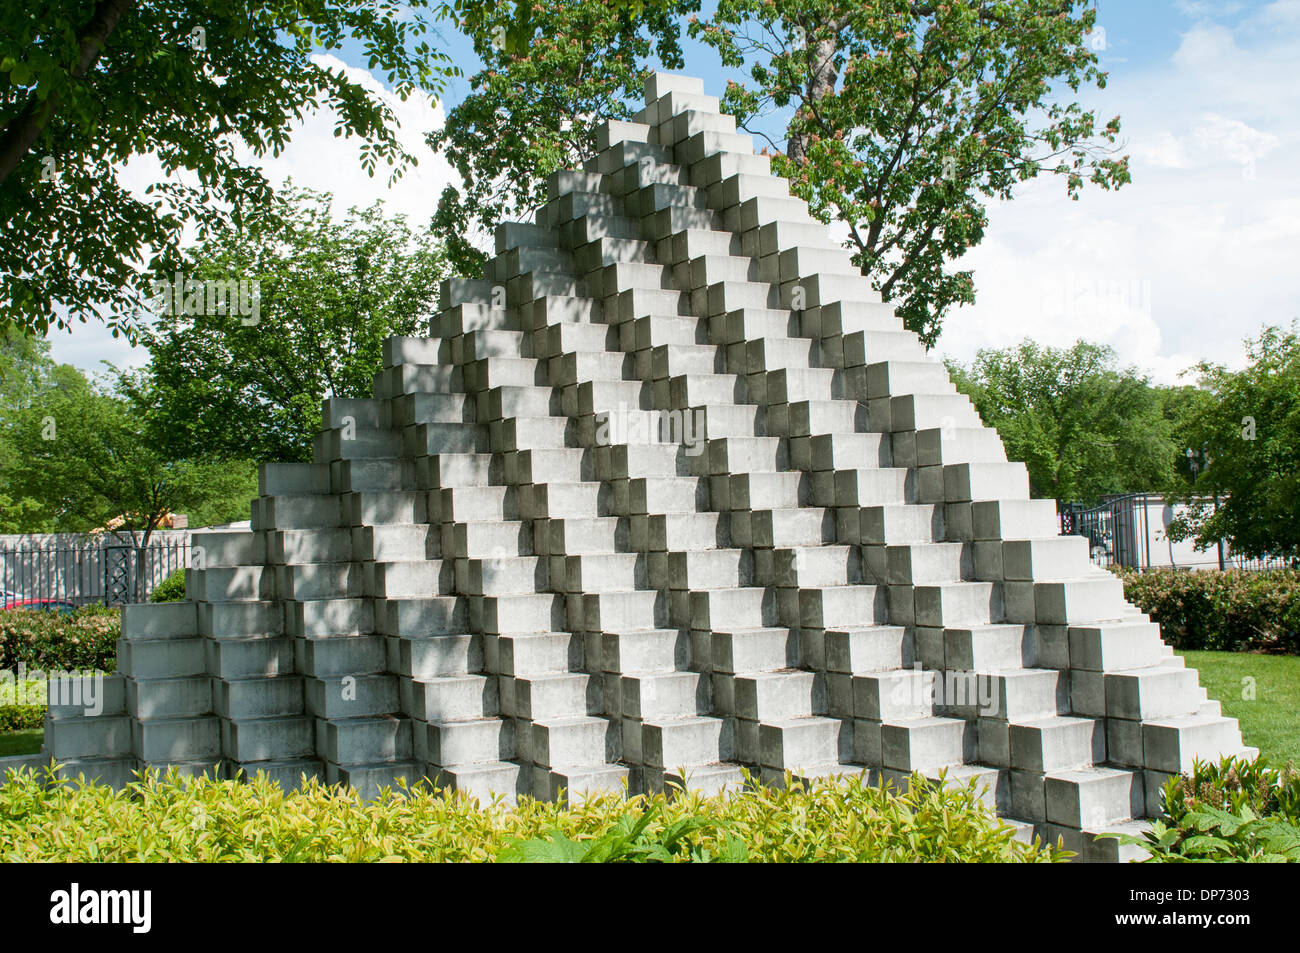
821 83
141 563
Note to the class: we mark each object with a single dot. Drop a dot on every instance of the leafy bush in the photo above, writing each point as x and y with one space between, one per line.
1230 611
171 589
1232 810
21 717
1234 783
1213 834
171 818
631 839
51 641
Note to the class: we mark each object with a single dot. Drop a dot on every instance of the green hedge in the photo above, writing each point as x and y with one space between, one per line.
200 820
1230 810
1229 611
51 641
21 717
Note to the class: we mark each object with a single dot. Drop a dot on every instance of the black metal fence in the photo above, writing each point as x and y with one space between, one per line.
1120 532
106 571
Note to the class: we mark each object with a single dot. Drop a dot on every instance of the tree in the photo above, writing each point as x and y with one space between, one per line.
907 116
25 365
1181 406
330 292
86 86
1248 440
896 118
25 368
1083 426
535 105
91 461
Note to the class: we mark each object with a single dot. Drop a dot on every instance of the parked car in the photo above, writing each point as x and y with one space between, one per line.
42 605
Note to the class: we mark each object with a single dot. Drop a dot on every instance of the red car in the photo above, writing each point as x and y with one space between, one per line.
42 605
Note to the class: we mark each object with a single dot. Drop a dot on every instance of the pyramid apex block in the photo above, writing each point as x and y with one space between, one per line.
657 84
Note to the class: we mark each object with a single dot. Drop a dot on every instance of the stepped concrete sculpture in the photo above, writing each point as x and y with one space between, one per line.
669 494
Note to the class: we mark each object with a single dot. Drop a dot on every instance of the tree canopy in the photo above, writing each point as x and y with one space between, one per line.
82 456
1083 426
1247 438
86 86
896 118
907 116
533 108
330 292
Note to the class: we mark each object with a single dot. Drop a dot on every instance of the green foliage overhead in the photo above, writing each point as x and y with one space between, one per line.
1249 431
203 821
906 117
1082 425
899 119
205 88
331 292
535 104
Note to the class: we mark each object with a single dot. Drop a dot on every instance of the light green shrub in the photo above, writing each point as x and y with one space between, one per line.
173 818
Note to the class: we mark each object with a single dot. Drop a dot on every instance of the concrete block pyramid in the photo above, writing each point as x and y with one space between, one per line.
670 493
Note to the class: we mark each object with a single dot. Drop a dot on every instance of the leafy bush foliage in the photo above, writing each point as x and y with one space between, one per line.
1230 611
51 641
21 717
171 589
631 839
172 818
1235 783
1232 810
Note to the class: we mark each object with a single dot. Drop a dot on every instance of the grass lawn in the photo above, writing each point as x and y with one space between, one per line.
1269 722
21 742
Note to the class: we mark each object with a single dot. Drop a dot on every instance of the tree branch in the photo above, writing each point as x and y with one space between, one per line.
23 130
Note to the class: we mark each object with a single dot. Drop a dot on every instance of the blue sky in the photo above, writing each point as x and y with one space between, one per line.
1197 253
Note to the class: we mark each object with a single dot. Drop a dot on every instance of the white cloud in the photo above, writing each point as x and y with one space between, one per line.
1220 138
1198 251
318 159
1163 149
314 158
1283 13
